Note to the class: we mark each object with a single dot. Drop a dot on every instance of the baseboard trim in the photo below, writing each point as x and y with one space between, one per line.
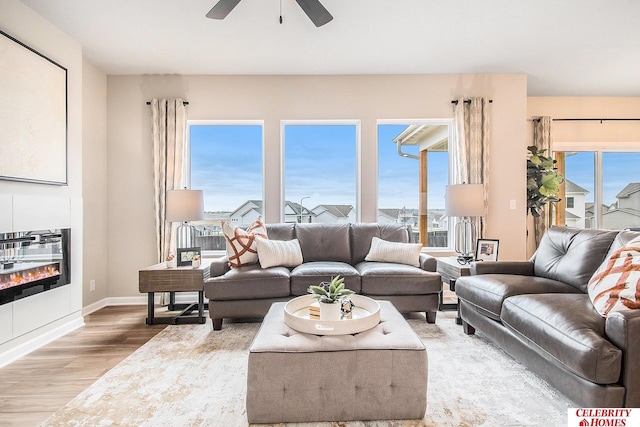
40 339
115 301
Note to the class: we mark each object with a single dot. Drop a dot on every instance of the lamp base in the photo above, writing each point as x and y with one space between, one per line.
465 259
185 236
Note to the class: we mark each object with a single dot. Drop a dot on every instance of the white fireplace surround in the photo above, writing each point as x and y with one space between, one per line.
36 320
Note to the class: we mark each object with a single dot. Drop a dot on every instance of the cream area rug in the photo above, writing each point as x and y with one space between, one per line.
188 375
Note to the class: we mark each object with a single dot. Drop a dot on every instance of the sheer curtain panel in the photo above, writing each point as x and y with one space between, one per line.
169 131
472 120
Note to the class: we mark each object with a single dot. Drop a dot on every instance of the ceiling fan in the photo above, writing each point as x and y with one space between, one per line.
314 10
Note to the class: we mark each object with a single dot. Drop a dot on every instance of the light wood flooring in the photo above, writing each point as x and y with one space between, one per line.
37 385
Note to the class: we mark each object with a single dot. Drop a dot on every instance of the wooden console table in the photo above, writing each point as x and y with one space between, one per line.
450 270
159 278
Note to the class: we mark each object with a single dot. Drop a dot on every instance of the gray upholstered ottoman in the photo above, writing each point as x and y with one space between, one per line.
378 374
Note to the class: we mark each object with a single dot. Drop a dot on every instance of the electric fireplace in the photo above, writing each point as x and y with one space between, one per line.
32 262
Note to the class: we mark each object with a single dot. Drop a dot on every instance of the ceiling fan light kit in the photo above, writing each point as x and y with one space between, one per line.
312 8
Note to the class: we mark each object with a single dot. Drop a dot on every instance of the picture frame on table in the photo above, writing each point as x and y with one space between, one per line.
185 256
487 249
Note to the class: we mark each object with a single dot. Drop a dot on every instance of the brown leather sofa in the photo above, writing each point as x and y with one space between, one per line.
328 250
540 313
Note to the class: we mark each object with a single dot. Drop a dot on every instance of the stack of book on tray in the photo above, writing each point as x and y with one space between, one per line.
314 311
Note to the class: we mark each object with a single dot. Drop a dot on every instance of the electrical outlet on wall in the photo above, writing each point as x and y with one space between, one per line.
92 285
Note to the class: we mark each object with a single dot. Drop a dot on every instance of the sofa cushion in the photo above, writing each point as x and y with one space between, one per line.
363 233
615 285
272 253
383 278
324 242
281 231
312 273
566 330
394 252
249 282
241 244
571 255
487 292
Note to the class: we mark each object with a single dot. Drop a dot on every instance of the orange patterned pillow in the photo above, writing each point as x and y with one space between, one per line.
241 244
615 285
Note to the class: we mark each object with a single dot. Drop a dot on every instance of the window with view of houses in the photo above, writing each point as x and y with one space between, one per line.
413 172
320 171
319 167
225 162
611 202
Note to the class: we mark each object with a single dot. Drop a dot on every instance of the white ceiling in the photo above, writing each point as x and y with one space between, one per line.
566 47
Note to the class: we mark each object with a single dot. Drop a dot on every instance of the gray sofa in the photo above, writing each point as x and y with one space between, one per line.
540 313
328 250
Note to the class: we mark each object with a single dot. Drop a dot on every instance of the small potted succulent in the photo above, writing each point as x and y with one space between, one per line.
328 295
195 261
171 260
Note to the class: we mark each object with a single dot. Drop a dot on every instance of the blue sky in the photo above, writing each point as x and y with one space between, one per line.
217 154
320 165
398 184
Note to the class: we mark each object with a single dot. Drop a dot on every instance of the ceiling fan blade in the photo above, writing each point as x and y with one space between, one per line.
315 11
222 9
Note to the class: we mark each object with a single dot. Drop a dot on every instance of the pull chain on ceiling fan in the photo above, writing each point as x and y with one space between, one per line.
313 8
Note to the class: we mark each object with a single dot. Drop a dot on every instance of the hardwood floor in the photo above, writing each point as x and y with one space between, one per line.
34 387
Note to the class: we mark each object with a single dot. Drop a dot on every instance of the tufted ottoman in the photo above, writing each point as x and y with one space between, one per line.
378 374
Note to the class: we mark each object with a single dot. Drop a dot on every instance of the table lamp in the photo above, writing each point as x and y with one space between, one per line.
184 206
465 201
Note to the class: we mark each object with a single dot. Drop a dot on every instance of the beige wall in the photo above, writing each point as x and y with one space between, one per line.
273 98
589 133
94 182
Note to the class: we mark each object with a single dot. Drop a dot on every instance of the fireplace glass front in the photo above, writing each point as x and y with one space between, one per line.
32 262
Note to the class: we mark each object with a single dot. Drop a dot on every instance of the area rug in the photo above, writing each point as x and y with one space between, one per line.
188 375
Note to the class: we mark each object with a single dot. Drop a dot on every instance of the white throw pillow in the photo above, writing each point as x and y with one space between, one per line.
241 245
273 253
402 253
615 284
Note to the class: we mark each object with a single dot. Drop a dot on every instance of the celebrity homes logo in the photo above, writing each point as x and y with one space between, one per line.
603 417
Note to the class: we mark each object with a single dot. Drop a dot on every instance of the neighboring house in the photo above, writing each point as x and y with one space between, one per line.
440 221
575 204
331 214
248 212
388 215
625 213
589 214
295 212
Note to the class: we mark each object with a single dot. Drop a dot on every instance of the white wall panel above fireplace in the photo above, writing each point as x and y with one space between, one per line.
41 212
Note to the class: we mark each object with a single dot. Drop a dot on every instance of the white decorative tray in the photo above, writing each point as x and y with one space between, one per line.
365 315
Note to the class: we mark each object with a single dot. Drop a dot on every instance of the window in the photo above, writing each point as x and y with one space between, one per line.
569 202
320 172
611 202
413 172
225 162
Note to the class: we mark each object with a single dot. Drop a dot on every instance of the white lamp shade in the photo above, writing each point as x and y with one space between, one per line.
185 205
465 200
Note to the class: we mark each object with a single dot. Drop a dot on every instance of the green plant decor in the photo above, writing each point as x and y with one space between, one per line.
543 182
330 292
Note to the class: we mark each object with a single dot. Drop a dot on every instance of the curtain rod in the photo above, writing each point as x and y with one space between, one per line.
183 102
590 120
468 101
